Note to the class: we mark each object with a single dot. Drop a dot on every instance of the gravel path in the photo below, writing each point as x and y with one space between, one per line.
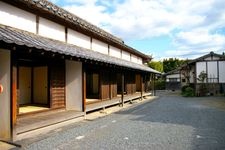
169 123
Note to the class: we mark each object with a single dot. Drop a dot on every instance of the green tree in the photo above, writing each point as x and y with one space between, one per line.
157 65
172 63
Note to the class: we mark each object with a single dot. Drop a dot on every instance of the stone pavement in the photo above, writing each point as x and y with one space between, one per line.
171 122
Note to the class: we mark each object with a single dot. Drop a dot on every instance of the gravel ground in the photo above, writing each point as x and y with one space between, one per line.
171 123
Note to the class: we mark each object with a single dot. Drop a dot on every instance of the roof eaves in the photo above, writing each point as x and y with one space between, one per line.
19 37
71 18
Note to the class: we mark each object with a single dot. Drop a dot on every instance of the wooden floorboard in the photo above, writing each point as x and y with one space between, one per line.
117 100
30 123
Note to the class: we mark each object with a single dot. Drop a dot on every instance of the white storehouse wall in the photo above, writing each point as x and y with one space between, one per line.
76 38
24 20
51 29
125 55
140 60
18 18
115 52
99 46
134 58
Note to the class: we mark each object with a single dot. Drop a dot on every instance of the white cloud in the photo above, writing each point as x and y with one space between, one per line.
191 24
89 11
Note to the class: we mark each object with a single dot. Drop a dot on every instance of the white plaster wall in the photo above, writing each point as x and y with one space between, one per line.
208 58
115 52
18 18
74 85
126 55
99 46
134 59
177 75
215 58
51 29
79 39
200 66
221 71
5 96
212 71
139 61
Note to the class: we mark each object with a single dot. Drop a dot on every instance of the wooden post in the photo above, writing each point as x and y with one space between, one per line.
14 103
122 96
15 108
84 89
141 86
154 92
152 84
100 85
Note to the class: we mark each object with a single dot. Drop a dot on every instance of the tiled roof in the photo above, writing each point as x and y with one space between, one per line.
211 54
19 37
53 9
191 62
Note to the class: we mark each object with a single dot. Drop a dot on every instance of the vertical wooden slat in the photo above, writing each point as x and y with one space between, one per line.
130 83
138 82
104 83
113 86
57 84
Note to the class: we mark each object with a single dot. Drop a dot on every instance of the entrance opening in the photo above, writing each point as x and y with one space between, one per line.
92 87
119 85
33 88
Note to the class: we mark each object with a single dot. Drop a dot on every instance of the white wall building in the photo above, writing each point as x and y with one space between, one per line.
212 64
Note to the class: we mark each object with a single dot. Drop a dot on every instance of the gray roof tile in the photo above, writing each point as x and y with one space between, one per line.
19 37
77 21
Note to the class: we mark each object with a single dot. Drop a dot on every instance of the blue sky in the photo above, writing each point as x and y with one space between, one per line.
161 28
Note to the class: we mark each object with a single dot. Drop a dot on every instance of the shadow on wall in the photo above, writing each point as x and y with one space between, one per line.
207 122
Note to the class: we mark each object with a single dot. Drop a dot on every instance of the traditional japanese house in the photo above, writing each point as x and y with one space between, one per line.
56 66
211 65
174 80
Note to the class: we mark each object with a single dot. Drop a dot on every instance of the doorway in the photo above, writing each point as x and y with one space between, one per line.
33 88
92 87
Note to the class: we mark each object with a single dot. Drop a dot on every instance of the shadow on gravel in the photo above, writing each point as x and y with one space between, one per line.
207 120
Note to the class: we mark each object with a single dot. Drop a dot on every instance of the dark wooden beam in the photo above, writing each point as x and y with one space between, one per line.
122 96
37 24
66 34
154 92
141 82
110 85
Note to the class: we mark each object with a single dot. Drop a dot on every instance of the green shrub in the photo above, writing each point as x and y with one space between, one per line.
183 88
188 92
160 84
